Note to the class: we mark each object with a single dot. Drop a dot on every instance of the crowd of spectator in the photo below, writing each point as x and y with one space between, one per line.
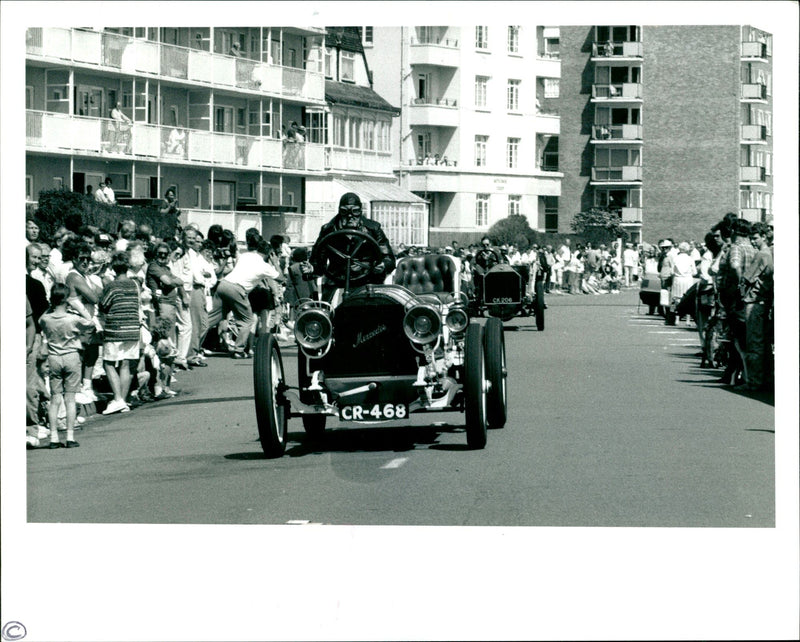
112 316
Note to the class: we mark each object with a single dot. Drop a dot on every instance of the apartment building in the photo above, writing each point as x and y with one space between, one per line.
206 112
474 138
670 126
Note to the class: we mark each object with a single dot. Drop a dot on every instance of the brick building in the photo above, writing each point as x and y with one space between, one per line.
670 126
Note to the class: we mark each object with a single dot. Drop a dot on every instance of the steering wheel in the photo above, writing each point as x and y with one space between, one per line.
498 258
348 252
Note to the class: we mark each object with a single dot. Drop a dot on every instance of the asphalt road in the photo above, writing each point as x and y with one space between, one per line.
611 423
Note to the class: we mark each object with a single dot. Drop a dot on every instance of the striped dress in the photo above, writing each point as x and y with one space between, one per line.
119 304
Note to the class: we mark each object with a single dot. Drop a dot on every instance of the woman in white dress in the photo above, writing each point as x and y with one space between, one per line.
683 273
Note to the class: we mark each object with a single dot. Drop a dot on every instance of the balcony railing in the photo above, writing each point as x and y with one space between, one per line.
132 55
438 102
617 91
754 91
631 214
79 134
754 50
627 173
754 132
435 40
617 132
752 174
358 160
617 50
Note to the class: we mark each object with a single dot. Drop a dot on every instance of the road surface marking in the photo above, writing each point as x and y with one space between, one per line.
303 522
395 463
666 332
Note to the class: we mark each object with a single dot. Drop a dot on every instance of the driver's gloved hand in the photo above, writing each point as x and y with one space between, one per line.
379 268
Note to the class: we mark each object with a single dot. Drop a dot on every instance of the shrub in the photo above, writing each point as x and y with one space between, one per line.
62 207
599 226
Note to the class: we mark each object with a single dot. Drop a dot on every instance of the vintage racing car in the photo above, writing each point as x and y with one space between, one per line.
502 291
384 352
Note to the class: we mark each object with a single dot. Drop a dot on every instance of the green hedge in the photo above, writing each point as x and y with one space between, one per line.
61 207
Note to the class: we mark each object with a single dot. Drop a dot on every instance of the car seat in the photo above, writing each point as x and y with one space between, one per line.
428 274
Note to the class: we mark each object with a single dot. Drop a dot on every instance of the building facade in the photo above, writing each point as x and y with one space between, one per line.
473 139
207 112
669 126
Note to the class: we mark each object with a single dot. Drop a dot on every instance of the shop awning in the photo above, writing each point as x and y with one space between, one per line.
377 191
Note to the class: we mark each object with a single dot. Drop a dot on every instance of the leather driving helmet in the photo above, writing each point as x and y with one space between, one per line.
349 210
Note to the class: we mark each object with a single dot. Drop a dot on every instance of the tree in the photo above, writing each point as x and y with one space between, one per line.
512 230
599 225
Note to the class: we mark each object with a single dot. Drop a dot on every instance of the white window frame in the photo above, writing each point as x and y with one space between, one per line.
28 187
512 152
481 91
512 94
367 36
481 145
348 65
198 196
482 38
513 39
329 62
514 204
481 210
552 88
29 93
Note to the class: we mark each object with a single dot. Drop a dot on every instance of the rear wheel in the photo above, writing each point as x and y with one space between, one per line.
474 387
268 379
495 356
538 306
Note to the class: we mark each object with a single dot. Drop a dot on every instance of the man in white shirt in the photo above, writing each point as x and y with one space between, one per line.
231 295
105 194
200 271
629 259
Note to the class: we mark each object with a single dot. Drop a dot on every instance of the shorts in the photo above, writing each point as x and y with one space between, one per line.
65 373
121 350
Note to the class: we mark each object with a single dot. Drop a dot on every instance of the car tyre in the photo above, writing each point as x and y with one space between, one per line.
495 358
538 309
474 387
271 412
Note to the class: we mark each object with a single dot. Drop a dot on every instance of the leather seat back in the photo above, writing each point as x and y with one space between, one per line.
428 273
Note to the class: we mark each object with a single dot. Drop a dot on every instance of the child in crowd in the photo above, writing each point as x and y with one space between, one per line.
162 353
63 330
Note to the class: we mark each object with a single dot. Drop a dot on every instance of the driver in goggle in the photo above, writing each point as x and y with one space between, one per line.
350 217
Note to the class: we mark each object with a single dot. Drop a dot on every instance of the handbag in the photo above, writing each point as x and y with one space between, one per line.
664 298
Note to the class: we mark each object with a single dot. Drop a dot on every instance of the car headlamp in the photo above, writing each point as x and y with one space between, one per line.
422 324
457 320
313 328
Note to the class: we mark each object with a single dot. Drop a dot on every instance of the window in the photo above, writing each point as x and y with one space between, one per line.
551 213
369 135
513 39
198 196
28 97
512 95
29 188
366 35
223 119
551 48
384 131
481 83
481 210
423 145
328 62
512 152
348 66
551 88
514 201
423 88
223 195
355 133
316 130
481 37
338 131
480 150
550 155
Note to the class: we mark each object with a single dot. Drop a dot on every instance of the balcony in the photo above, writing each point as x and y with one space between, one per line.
617 91
434 178
548 67
440 52
754 50
438 112
750 174
61 133
612 133
617 50
114 52
754 91
753 214
631 215
548 124
358 160
754 133
624 174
